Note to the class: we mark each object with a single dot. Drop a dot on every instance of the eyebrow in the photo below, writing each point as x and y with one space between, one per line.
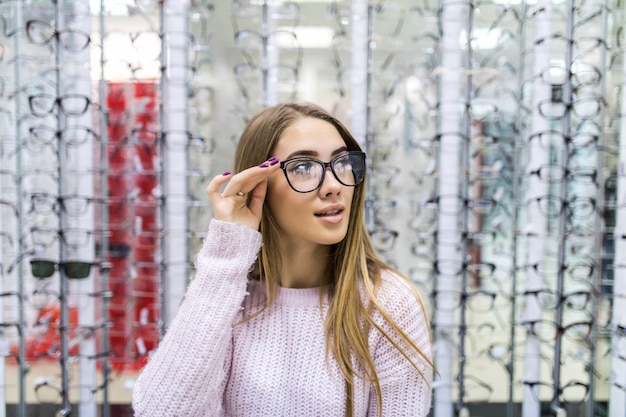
307 152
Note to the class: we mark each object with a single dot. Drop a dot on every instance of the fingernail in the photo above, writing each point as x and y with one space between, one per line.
273 158
226 173
274 161
264 165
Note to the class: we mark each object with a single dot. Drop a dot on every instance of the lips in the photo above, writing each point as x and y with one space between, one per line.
330 211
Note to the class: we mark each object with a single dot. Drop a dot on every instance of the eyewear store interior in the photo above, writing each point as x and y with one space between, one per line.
495 142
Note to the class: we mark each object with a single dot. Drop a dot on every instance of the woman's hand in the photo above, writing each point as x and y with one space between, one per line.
242 198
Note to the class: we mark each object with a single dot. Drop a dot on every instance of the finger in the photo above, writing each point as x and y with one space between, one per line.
257 197
216 183
245 181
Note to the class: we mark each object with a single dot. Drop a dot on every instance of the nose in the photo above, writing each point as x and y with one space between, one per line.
330 185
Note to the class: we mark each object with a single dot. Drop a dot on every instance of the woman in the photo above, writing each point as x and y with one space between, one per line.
291 313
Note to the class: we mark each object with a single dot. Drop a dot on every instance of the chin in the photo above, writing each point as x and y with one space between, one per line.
332 238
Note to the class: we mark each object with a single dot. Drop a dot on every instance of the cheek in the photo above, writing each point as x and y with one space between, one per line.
278 196
350 198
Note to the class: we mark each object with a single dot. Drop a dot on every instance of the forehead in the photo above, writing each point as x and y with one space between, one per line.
309 134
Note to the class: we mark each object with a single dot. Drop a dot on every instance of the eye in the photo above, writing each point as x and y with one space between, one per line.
301 168
342 163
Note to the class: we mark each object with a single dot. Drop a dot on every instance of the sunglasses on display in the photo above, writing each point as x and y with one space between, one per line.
43 268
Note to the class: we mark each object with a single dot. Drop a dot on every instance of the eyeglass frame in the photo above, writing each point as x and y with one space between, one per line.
58 102
557 392
326 165
56 34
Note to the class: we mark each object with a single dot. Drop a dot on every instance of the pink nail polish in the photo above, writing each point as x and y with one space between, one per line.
226 173
264 165
274 161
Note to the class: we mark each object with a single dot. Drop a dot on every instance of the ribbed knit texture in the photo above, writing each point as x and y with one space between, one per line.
279 367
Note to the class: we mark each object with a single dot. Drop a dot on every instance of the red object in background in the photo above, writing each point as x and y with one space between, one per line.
119 212
146 283
132 155
45 343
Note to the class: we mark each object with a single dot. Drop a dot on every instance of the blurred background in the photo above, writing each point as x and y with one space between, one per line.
496 145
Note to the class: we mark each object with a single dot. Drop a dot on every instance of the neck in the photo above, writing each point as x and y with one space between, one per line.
304 267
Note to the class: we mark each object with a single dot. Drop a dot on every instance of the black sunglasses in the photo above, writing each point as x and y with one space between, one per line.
44 268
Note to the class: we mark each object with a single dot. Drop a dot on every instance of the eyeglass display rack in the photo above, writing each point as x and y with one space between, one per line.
493 140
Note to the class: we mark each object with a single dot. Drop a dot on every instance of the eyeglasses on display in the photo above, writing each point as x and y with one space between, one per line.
40 32
42 105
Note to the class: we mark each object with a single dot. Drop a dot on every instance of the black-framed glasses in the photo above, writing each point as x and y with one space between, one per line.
572 393
548 331
306 175
42 105
581 45
45 268
552 173
553 206
42 33
549 299
453 267
558 140
580 74
452 204
583 108
581 270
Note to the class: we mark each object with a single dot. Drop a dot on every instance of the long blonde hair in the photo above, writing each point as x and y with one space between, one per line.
353 262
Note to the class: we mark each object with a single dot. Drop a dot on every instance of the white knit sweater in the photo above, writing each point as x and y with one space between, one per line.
273 365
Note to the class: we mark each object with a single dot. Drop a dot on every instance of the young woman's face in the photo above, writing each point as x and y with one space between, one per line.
319 217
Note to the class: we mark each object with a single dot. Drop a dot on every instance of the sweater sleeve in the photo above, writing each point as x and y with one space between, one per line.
404 391
186 376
